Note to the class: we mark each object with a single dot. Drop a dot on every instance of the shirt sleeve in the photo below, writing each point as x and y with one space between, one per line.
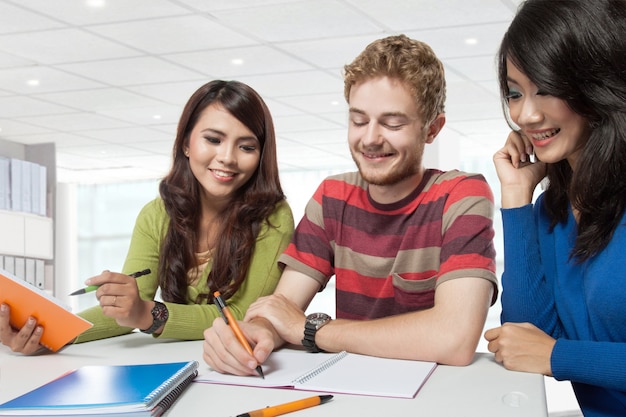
526 294
311 251
467 248
590 362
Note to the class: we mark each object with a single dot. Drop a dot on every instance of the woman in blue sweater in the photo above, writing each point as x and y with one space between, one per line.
562 72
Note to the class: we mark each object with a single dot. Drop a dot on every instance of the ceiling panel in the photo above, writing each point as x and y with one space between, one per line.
90 12
173 34
24 106
406 15
299 20
14 18
50 47
131 71
135 136
235 62
20 80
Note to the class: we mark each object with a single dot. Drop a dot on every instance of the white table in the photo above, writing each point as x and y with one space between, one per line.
482 389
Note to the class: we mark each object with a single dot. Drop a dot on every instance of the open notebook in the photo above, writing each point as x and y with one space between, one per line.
343 373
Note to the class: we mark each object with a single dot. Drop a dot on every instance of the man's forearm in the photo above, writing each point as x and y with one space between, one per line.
447 333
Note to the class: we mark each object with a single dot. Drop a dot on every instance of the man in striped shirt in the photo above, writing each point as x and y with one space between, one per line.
411 249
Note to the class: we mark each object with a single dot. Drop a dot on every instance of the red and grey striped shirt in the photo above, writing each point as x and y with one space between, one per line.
388 259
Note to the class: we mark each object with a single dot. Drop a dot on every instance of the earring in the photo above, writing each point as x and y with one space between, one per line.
187 154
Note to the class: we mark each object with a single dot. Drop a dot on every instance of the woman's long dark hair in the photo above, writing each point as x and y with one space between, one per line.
576 50
240 223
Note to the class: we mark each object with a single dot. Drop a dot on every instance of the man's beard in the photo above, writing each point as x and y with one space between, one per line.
390 177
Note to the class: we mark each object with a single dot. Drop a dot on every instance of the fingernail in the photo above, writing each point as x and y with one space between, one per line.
31 321
3 307
262 355
252 365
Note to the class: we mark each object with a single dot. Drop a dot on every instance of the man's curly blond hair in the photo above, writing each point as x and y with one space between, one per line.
412 62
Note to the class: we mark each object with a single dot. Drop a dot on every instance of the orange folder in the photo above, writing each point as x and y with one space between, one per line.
59 324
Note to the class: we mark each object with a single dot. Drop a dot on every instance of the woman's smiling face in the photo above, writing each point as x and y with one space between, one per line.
555 130
223 153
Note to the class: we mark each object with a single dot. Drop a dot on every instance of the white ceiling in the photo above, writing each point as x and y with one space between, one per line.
112 76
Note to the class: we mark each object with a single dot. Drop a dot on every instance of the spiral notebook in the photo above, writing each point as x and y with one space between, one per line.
99 390
342 373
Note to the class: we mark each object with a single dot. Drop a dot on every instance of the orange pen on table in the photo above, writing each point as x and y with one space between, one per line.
288 407
232 323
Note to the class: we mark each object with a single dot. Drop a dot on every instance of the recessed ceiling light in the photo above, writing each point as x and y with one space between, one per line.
334 103
96 3
33 82
237 61
157 117
471 41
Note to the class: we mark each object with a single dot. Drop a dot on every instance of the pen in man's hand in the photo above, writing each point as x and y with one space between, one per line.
288 407
232 323
95 287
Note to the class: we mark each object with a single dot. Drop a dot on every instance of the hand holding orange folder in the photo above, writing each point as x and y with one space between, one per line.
25 300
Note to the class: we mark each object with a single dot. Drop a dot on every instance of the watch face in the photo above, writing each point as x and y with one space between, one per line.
159 312
317 318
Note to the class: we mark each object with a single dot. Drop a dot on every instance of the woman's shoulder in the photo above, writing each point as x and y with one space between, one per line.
155 206
153 211
282 214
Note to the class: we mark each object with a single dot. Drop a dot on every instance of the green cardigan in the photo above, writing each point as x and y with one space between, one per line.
188 321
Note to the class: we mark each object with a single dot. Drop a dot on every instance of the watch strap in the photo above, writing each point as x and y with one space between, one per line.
310 330
309 338
159 317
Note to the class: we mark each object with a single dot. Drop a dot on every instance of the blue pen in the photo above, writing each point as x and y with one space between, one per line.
95 287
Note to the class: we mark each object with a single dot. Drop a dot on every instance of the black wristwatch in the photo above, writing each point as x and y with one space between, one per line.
313 323
159 317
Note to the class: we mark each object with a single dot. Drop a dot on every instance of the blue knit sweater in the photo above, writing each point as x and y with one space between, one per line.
582 306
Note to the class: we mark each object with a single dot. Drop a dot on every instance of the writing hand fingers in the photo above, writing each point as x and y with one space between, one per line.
223 352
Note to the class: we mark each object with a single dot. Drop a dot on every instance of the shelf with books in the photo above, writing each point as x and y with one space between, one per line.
28 224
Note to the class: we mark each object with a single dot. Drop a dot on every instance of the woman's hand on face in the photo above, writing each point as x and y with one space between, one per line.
25 340
517 174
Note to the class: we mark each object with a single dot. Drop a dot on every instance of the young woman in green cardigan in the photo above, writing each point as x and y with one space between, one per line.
220 223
